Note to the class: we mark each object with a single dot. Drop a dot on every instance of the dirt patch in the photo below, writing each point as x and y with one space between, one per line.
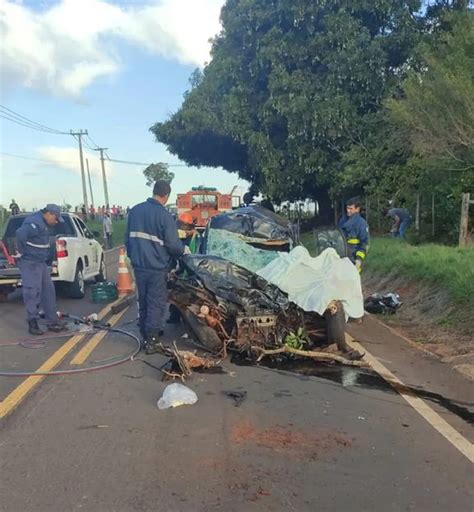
428 315
288 439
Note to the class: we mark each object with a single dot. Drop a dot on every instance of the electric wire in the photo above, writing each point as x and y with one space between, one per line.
15 117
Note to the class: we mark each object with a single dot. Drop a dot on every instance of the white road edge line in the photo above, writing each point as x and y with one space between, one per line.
420 406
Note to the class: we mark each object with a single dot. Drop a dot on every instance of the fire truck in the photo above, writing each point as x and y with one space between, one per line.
203 203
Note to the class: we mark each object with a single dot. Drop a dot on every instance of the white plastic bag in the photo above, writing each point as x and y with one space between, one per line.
175 395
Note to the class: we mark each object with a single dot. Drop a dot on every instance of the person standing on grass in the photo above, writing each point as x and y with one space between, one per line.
401 221
14 208
108 230
356 232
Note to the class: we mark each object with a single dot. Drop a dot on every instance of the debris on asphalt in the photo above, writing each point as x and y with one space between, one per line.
89 427
237 396
175 395
183 362
386 304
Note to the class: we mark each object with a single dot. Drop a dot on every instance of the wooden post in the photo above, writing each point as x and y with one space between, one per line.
464 220
379 214
417 214
433 215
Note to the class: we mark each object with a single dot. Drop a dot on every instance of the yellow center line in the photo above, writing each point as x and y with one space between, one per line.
86 350
420 406
21 391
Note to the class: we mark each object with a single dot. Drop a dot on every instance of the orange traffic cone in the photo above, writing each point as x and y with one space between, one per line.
124 280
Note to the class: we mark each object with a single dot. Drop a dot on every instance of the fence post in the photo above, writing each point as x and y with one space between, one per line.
379 216
417 214
464 220
433 215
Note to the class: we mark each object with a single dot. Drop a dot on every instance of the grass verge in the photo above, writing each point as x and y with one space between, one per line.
449 268
118 233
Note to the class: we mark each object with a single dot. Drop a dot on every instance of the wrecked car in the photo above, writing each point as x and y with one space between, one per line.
234 295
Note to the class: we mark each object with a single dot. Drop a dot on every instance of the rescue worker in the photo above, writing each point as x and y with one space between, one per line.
190 238
14 208
33 252
152 243
401 221
356 232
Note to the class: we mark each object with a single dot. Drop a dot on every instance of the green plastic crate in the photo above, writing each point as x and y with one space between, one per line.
104 292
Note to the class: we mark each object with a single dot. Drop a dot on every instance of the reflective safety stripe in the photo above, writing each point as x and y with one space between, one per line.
360 254
353 241
38 246
146 236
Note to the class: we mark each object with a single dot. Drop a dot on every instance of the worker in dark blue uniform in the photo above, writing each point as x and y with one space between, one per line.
356 232
33 252
152 244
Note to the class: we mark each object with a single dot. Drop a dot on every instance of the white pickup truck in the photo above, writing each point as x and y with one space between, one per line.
75 256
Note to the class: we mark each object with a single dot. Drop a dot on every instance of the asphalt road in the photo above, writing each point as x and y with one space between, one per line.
329 439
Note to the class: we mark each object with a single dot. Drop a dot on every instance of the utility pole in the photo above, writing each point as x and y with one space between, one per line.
104 176
79 135
90 184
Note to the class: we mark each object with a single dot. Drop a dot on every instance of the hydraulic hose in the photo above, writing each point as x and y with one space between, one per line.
101 365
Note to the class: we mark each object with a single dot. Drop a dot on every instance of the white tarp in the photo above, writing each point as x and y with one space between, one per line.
312 283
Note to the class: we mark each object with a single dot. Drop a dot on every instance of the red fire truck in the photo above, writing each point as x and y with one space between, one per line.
203 203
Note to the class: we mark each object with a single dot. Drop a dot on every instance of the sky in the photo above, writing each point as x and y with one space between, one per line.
113 68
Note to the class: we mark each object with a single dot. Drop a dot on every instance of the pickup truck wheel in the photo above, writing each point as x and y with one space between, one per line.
77 289
102 275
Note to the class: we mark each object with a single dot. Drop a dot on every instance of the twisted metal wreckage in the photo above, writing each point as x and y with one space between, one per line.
228 306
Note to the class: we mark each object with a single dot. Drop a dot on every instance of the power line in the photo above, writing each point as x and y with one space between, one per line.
141 163
17 118
37 159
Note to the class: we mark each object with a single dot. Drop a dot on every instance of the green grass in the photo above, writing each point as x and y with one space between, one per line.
448 268
118 234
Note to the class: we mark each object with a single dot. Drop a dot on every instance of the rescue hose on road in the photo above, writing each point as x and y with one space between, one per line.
101 365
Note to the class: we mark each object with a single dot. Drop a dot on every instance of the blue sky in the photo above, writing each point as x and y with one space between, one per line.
113 68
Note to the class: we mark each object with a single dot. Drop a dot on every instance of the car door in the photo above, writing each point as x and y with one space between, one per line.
88 249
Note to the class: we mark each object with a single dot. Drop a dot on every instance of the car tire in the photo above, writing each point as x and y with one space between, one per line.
77 289
336 328
102 275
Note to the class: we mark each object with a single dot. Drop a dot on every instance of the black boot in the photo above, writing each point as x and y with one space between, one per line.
153 342
175 315
33 328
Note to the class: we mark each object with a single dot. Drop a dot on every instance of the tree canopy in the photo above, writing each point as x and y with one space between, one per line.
294 97
156 172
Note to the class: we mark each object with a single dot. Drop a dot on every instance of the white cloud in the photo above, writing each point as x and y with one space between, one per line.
68 159
63 49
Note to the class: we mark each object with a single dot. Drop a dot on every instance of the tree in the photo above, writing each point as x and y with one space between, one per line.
156 172
437 104
288 87
295 88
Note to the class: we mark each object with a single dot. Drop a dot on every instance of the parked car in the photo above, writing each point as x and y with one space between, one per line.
75 256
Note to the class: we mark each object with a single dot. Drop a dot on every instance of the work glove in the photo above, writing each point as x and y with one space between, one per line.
358 264
187 250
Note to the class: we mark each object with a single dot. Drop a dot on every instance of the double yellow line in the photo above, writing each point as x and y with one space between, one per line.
21 391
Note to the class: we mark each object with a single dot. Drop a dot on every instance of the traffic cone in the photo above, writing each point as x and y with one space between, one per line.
124 280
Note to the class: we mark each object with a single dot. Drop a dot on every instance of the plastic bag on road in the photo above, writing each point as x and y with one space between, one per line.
175 395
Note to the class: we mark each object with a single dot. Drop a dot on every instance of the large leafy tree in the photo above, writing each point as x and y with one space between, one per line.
291 87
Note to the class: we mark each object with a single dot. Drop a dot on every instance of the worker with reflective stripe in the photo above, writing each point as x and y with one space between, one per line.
152 243
33 252
356 232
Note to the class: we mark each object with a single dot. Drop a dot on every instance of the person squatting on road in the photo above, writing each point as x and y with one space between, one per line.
356 232
33 252
152 243
401 221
